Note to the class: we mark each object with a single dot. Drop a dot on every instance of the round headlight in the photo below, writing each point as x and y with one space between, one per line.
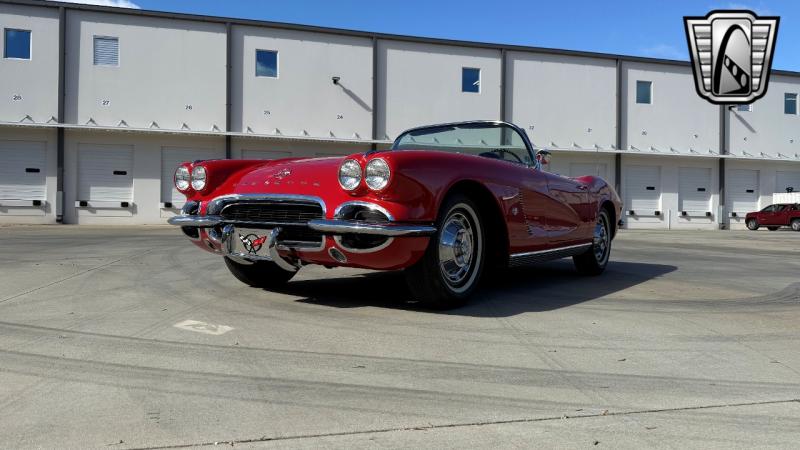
350 174
377 174
198 178
182 178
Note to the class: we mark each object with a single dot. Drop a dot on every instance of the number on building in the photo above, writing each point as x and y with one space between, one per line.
105 102
188 107
339 116
16 97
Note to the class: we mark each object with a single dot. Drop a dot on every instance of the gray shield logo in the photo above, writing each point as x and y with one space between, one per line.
731 55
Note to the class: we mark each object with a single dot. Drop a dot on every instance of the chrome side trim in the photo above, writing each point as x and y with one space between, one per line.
389 229
215 206
339 212
518 259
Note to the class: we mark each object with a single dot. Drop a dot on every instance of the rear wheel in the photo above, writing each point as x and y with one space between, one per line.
261 274
796 224
773 228
752 224
449 271
595 260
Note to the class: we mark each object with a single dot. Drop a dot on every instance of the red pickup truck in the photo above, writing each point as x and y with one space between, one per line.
775 216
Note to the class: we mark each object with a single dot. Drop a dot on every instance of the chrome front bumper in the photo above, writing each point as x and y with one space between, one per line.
338 226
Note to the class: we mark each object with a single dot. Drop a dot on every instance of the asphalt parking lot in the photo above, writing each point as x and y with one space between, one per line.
690 339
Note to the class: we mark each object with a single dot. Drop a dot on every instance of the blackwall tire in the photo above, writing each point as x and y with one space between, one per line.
752 224
595 260
261 274
454 261
796 225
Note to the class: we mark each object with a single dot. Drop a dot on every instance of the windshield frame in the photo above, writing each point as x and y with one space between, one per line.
473 124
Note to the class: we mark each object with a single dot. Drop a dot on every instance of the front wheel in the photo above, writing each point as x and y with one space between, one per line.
796 225
594 260
752 224
452 265
260 274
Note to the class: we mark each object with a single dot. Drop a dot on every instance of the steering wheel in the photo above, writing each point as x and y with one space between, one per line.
503 151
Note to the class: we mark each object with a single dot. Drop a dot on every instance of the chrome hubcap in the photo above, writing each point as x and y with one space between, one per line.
456 248
601 239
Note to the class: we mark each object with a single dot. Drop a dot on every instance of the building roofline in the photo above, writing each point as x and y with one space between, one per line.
357 33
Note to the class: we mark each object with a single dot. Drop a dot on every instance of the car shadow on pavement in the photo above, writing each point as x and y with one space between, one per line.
537 288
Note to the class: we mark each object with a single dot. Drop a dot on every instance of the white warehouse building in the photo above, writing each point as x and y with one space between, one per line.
98 105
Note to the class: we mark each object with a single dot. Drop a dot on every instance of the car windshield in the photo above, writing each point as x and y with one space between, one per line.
488 139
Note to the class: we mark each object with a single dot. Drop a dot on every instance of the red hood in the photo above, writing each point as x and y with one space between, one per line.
313 176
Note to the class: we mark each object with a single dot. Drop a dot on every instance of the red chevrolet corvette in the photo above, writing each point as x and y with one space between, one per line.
447 203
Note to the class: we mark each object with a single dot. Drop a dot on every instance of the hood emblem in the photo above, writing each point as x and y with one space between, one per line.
282 174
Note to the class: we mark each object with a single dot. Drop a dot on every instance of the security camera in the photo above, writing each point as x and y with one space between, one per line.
336 80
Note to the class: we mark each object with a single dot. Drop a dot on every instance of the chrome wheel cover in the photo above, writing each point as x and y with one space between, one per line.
796 225
456 248
602 239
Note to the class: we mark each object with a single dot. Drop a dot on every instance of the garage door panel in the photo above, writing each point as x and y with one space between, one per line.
595 169
643 188
694 189
23 170
105 173
742 190
171 157
787 180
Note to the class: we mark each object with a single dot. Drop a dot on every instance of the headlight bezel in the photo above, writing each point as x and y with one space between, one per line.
356 173
199 178
381 171
185 177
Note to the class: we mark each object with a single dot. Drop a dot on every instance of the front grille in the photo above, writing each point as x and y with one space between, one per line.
272 212
292 217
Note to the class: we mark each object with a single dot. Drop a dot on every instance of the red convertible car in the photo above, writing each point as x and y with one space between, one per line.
774 217
447 203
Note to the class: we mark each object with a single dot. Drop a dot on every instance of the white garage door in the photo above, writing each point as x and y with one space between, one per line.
784 180
264 154
694 189
643 189
742 190
170 158
596 169
22 170
105 173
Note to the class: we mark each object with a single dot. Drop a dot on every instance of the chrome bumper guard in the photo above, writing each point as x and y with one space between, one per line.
195 221
325 226
272 247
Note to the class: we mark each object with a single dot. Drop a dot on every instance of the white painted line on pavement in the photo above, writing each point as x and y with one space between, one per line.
203 327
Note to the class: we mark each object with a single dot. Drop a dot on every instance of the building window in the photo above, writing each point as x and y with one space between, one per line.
267 63
644 92
18 44
106 51
470 79
744 108
790 103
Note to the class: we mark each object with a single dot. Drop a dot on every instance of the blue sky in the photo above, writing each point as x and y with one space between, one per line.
642 28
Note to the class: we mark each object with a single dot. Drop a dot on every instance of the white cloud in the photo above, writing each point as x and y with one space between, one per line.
665 51
114 3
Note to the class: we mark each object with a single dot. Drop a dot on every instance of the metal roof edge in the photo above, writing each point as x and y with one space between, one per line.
359 33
